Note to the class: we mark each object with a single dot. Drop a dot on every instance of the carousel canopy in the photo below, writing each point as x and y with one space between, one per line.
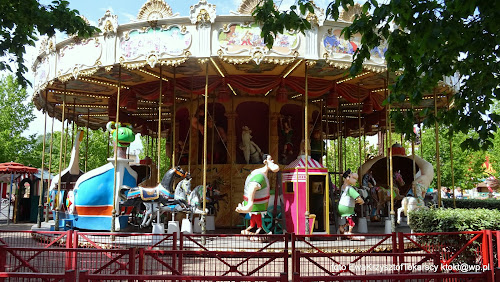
164 54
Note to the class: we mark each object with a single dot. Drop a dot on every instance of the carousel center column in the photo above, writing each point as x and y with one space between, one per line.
274 138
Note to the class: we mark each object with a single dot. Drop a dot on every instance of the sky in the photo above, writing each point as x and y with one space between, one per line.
127 11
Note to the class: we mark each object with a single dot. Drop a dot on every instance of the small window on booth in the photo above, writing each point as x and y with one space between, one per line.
289 187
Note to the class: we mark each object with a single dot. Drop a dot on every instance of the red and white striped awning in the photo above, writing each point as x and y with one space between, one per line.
300 162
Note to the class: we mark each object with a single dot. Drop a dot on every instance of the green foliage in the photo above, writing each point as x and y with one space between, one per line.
21 21
466 162
97 153
489 204
274 22
428 40
15 116
351 154
150 146
453 220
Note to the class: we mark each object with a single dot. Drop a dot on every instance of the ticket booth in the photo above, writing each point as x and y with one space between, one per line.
298 198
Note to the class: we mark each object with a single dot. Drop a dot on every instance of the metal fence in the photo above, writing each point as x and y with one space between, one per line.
464 256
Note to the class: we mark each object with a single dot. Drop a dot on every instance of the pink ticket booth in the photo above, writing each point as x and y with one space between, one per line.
298 198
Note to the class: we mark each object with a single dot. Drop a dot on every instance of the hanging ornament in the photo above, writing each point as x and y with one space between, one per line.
282 95
224 93
367 106
332 101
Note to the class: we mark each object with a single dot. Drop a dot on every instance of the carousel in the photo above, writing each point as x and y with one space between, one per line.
219 99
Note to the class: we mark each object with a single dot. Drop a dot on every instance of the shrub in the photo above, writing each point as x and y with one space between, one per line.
452 220
490 204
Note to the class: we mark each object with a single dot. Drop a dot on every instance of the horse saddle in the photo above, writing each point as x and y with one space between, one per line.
149 194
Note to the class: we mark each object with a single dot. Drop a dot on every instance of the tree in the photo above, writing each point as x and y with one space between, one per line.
350 158
466 163
21 21
427 41
15 116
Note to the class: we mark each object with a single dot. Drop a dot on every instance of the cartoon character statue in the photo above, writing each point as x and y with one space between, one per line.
256 194
349 198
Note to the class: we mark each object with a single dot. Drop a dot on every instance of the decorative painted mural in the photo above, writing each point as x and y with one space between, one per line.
338 47
172 41
237 38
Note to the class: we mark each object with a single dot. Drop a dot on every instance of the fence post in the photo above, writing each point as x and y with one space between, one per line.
395 249
70 275
296 262
181 257
69 239
296 277
436 258
75 246
401 248
141 261
491 261
69 255
82 276
3 260
294 238
283 277
484 249
286 254
174 247
131 259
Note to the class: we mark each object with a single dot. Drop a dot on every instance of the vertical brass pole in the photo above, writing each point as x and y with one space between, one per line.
203 215
359 134
113 212
40 207
327 135
452 172
87 140
413 153
65 142
421 141
173 118
359 139
56 200
306 147
438 164
158 153
50 165
391 179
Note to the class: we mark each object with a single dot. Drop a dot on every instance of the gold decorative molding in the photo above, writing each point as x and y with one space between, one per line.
154 10
349 14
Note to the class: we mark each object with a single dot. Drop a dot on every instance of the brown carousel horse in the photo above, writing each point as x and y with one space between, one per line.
380 196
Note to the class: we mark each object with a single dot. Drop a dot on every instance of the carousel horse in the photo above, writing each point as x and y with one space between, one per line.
191 199
213 196
382 195
157 199
251 151
412 203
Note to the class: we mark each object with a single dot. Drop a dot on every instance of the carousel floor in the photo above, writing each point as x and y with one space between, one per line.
375 236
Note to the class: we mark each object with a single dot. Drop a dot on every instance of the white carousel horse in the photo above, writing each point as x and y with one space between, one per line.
251 151
412 203
419 185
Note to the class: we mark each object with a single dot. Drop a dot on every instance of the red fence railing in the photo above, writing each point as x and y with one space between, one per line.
217 256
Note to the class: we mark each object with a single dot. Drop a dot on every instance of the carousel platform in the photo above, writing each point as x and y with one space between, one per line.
230 240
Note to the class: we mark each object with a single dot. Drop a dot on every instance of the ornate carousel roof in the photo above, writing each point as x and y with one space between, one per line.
162 52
